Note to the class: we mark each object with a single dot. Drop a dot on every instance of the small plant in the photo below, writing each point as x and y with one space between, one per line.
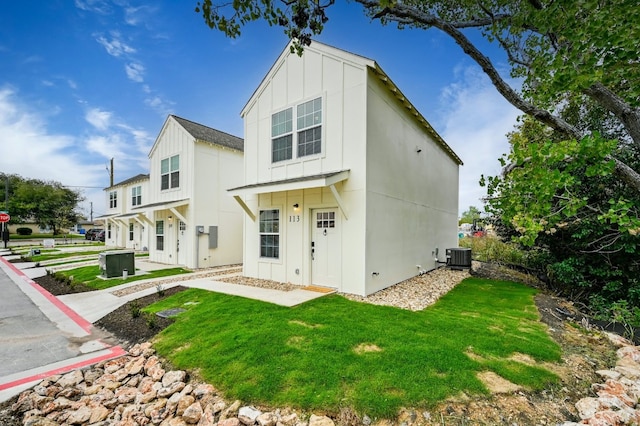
151 320
136 309
627 316
161 290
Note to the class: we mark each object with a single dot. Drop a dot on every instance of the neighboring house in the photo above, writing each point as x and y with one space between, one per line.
123 226
185 215
346 184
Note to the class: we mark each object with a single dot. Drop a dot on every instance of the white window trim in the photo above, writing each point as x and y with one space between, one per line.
134 198
294 134
169 187
279 234
113 199
158 235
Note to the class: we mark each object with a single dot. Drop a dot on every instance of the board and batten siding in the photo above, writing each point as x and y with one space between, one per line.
173 140
216 170
341 83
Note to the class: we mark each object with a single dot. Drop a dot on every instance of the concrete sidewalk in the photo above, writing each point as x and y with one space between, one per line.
94 305
41 334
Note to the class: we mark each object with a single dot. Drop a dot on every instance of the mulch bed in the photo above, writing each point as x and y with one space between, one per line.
122 323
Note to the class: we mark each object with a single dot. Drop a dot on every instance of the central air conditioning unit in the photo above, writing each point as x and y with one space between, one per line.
115 263
458 258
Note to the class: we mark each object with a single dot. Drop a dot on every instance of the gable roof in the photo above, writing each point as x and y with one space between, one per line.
207 134
378 72
136 178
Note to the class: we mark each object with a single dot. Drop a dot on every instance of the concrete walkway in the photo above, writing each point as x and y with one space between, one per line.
41 334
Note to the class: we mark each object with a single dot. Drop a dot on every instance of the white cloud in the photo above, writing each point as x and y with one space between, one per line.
135 71
115 47
77 160
98 119
98 6
476 119
161 106
136 15
33 151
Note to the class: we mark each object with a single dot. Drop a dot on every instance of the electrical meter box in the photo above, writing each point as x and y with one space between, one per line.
114 263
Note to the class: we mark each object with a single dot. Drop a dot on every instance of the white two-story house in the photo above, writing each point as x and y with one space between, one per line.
186 214
123 227
346 184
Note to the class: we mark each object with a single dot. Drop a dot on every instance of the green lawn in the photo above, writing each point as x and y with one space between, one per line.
50 255
332 352
88 275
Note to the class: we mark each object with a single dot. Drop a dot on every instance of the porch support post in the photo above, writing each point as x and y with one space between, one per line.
179 216
338 198
145 218
245 207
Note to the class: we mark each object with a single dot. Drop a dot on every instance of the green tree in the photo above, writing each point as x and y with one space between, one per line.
468 216
564 201
47 203
561 51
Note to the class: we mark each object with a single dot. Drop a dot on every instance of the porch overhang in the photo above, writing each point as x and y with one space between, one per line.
305 182
164 205
138 217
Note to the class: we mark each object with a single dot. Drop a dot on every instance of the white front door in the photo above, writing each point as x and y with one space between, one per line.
326 256
181 241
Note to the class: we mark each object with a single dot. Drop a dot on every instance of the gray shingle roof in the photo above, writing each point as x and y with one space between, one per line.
136 178
207 134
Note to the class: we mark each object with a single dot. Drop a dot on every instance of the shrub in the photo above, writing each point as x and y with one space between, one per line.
24 231
135 309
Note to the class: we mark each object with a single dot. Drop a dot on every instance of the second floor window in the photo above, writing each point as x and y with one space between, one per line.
136 196
307 131
113 199
170 172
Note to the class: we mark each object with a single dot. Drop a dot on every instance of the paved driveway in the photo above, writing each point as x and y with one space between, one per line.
40 336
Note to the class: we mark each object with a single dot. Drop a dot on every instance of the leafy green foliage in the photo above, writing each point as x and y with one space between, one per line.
562 197
45 203
332 352
468 216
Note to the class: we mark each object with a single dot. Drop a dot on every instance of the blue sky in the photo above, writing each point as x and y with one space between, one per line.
87 80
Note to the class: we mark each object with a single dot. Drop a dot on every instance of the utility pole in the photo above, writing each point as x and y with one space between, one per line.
91 212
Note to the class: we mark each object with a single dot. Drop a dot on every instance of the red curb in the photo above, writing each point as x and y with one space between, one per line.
83 323
114 352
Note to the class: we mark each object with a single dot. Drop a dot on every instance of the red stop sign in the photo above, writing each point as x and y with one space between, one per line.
4 217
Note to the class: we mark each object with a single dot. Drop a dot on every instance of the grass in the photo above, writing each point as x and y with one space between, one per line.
51 255
332 353
87 275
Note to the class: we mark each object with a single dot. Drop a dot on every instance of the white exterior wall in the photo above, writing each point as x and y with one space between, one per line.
341 82
412 198
140 227
206 172
217 169
114 238
173 139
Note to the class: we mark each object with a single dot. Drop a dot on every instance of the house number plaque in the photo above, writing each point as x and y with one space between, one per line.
294 218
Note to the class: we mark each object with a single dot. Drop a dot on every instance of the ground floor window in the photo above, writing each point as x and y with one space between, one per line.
109 231
131 232
270 233
160 235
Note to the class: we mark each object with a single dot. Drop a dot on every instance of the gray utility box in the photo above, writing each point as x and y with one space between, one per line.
458 258
113 263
